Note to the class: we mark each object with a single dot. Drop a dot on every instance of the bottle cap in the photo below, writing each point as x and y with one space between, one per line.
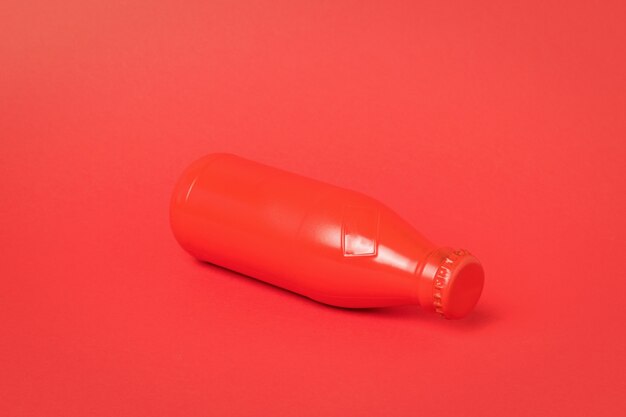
451 282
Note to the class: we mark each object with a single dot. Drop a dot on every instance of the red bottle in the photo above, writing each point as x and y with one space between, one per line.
330 244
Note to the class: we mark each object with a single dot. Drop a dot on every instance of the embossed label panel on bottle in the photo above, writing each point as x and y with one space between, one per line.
360 231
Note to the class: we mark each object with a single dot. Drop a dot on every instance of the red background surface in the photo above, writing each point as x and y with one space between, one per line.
494 126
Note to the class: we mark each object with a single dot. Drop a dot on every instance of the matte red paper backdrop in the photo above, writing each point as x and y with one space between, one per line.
493 126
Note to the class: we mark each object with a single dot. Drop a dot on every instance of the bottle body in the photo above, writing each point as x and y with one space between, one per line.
330 244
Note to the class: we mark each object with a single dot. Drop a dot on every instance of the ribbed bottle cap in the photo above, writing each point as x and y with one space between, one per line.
451 282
